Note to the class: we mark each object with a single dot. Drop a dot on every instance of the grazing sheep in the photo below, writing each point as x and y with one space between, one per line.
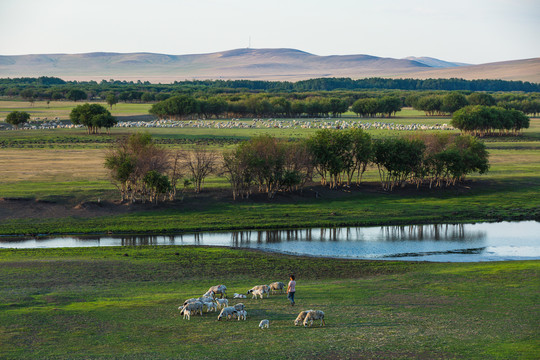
264 288
314 315
239 306
242 314
264 324
210 294
219 289
239 296
228 313
254 293
193 307
277 286
186 313
221 303
203 299
300 318
210 306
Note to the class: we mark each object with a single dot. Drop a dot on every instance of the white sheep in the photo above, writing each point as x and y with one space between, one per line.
193 307
254 293
300 318
239 306
219 289
210 306
264 288
277 286
186 313
239 296
221 303
242 314
228 313
314 315
210 294
264 324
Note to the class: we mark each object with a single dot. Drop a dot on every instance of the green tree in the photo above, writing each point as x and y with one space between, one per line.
76 95
453 102
111 100
17 118
93 116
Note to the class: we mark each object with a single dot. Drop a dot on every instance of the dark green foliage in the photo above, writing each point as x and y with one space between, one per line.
111 100
177 107
480 98
431 105
17 118
76 94
397 159
484 120
453 102
93 116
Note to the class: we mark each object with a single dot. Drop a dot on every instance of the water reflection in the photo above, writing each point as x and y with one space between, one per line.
442 242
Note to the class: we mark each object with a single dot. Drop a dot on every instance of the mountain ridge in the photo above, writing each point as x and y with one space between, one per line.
252 64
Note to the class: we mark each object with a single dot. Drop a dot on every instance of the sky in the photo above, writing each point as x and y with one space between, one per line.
470 31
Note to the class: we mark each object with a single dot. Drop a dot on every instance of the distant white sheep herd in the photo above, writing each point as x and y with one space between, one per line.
195 306
321 123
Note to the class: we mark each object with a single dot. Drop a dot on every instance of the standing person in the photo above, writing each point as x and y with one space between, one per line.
291 288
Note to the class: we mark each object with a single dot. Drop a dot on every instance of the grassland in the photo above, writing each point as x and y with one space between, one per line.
62 169
122 303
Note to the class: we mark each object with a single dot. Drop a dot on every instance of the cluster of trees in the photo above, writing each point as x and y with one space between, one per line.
433 159
451 102
144 171
320 84
186 106
484 120
93 116
371 107
270 164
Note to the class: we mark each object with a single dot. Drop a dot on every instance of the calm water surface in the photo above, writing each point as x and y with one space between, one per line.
456 243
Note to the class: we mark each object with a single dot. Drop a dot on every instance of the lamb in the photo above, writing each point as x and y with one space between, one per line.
192 307
239 296
229 312
277 286
257 292
314 315
221 303
242 314
264 324
210 306
300 318
186 313
210 294
202 299
239 307
264 288
219 289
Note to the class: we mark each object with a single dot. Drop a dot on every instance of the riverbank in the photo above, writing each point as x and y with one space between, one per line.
316 206
122 302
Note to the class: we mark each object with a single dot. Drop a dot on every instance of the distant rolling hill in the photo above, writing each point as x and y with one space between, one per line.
252 64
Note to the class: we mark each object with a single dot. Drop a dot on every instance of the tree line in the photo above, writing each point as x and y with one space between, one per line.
318 84
144 171
186 106
448 103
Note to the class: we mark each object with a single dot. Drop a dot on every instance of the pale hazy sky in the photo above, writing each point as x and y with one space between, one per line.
472 31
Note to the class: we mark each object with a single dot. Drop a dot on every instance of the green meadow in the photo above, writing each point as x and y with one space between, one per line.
122 303
65 167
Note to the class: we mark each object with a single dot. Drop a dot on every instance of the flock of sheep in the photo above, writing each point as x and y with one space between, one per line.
238 311
246 124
